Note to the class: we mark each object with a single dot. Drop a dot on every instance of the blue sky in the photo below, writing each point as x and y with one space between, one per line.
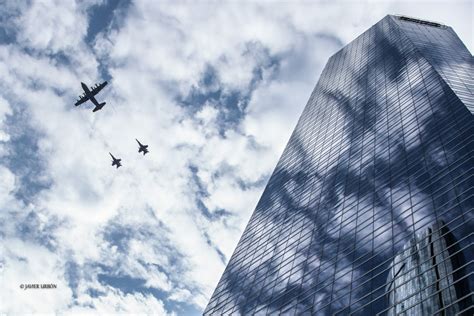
213 88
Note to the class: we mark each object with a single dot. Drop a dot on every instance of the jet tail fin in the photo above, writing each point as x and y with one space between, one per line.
98 107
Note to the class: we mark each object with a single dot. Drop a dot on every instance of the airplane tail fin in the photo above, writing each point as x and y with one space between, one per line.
98 107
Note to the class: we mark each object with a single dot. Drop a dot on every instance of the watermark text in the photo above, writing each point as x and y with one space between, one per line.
38 286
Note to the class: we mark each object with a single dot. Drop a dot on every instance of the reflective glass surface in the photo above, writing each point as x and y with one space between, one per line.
370 208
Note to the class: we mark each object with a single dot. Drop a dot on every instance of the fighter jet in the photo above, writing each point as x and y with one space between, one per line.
115 161
143 148
89 95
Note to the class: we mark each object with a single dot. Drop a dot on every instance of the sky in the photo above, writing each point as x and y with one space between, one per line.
214 88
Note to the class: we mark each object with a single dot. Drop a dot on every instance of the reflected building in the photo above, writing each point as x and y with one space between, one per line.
375 187
428 276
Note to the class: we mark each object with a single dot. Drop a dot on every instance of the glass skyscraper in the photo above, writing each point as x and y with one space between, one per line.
370 208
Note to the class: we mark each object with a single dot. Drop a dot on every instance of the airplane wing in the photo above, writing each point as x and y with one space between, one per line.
97 88
81 100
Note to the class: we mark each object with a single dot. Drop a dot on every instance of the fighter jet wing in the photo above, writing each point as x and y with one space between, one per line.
97 88
81 100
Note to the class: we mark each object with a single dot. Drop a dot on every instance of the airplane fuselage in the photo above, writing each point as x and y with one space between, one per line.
88 93
115 161
142 148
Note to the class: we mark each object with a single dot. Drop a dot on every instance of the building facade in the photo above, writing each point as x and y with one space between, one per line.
379 167
428 276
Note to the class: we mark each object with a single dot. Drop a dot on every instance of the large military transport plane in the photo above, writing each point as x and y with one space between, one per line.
143 148
89 95
115 162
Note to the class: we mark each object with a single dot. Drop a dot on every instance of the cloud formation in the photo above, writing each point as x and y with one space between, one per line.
214 90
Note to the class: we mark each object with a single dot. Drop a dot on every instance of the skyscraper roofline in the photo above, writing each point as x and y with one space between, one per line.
419 21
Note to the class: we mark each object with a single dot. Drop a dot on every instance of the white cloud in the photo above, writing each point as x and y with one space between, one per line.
115 302
29 263
53 26
158 54
5 110
7 185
